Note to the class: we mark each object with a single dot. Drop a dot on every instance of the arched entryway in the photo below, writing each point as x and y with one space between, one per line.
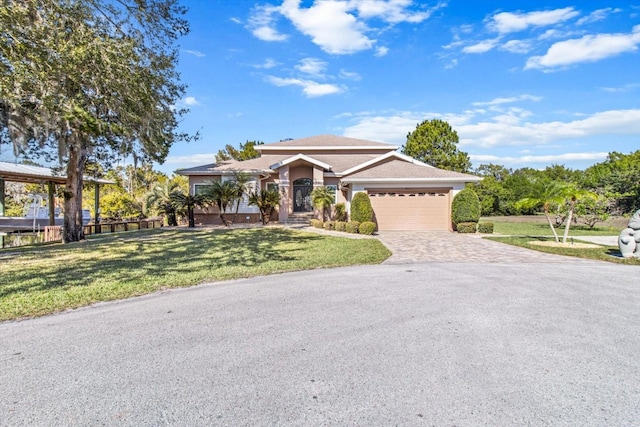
302 189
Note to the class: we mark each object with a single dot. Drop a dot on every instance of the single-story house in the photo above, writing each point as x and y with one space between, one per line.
405 193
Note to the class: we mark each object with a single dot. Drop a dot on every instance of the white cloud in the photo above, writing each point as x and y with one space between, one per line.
309 88
546 159
451 64
194 159
481 47
597 15
236 20
337 26
381 51
588 48
393 11
500 101
267 64
190 100
261 24
509 129
195 53
509 22
330 26
622 89
312 66
517 46
349 75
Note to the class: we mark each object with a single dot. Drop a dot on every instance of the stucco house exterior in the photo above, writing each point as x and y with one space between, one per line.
405 194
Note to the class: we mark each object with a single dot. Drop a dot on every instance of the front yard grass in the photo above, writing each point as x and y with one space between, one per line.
521 232
602 253
542 229
41 280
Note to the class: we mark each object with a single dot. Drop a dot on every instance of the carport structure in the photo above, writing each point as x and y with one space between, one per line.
39 175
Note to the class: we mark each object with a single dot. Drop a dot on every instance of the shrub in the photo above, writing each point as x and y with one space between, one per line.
465 207
341 226
329 225
485 227
315 223
467 227
361 210
367 227
352 227
341 212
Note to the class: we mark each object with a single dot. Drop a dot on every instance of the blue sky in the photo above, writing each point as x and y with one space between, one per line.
524 83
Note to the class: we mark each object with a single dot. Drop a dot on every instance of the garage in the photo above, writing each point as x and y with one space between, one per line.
411 209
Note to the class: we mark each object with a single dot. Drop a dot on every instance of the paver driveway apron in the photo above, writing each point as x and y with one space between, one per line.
442 246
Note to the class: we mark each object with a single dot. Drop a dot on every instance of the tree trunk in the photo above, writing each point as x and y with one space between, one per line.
73 230
546 214
192 219
569 218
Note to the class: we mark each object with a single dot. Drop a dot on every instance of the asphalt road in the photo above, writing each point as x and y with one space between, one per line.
446 344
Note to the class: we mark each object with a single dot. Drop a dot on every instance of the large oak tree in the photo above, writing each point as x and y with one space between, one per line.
92 79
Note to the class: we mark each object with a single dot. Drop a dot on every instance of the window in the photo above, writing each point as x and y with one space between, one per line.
272 186
333 189
201 188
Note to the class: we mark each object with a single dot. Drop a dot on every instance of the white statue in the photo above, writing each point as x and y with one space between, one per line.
629 239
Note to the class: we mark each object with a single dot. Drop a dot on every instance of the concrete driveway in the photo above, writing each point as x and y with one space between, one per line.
439 343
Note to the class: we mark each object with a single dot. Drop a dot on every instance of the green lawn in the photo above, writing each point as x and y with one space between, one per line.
602 253
521 231
512 228
41 280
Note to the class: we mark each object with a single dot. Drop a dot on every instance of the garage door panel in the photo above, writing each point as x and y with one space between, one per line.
411 210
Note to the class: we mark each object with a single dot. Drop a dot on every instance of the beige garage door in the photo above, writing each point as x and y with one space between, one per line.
419 209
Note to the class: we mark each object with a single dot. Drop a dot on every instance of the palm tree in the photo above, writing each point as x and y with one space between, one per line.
546 193
186 203
573 195
322 198
241 182
222 194
160 197
266 201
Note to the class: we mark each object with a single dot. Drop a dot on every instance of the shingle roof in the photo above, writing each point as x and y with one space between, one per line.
337 162
329 141
400 169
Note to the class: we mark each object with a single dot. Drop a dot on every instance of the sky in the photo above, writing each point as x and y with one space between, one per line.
524 83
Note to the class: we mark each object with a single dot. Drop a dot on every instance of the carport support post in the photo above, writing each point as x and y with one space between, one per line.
1 197
96 207
51 186
1 210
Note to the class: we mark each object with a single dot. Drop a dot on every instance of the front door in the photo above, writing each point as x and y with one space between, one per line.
302 195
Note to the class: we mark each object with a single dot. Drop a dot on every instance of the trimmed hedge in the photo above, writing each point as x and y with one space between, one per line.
465 207
329 225
341 212
361 210
367 227
341 226
352 227
485 227
316 223
467 227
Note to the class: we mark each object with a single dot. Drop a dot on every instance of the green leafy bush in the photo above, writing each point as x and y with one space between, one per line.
367 228
352 227
467 227
329 225
341 212
341 226
361 210
315 223
465 207
485 227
